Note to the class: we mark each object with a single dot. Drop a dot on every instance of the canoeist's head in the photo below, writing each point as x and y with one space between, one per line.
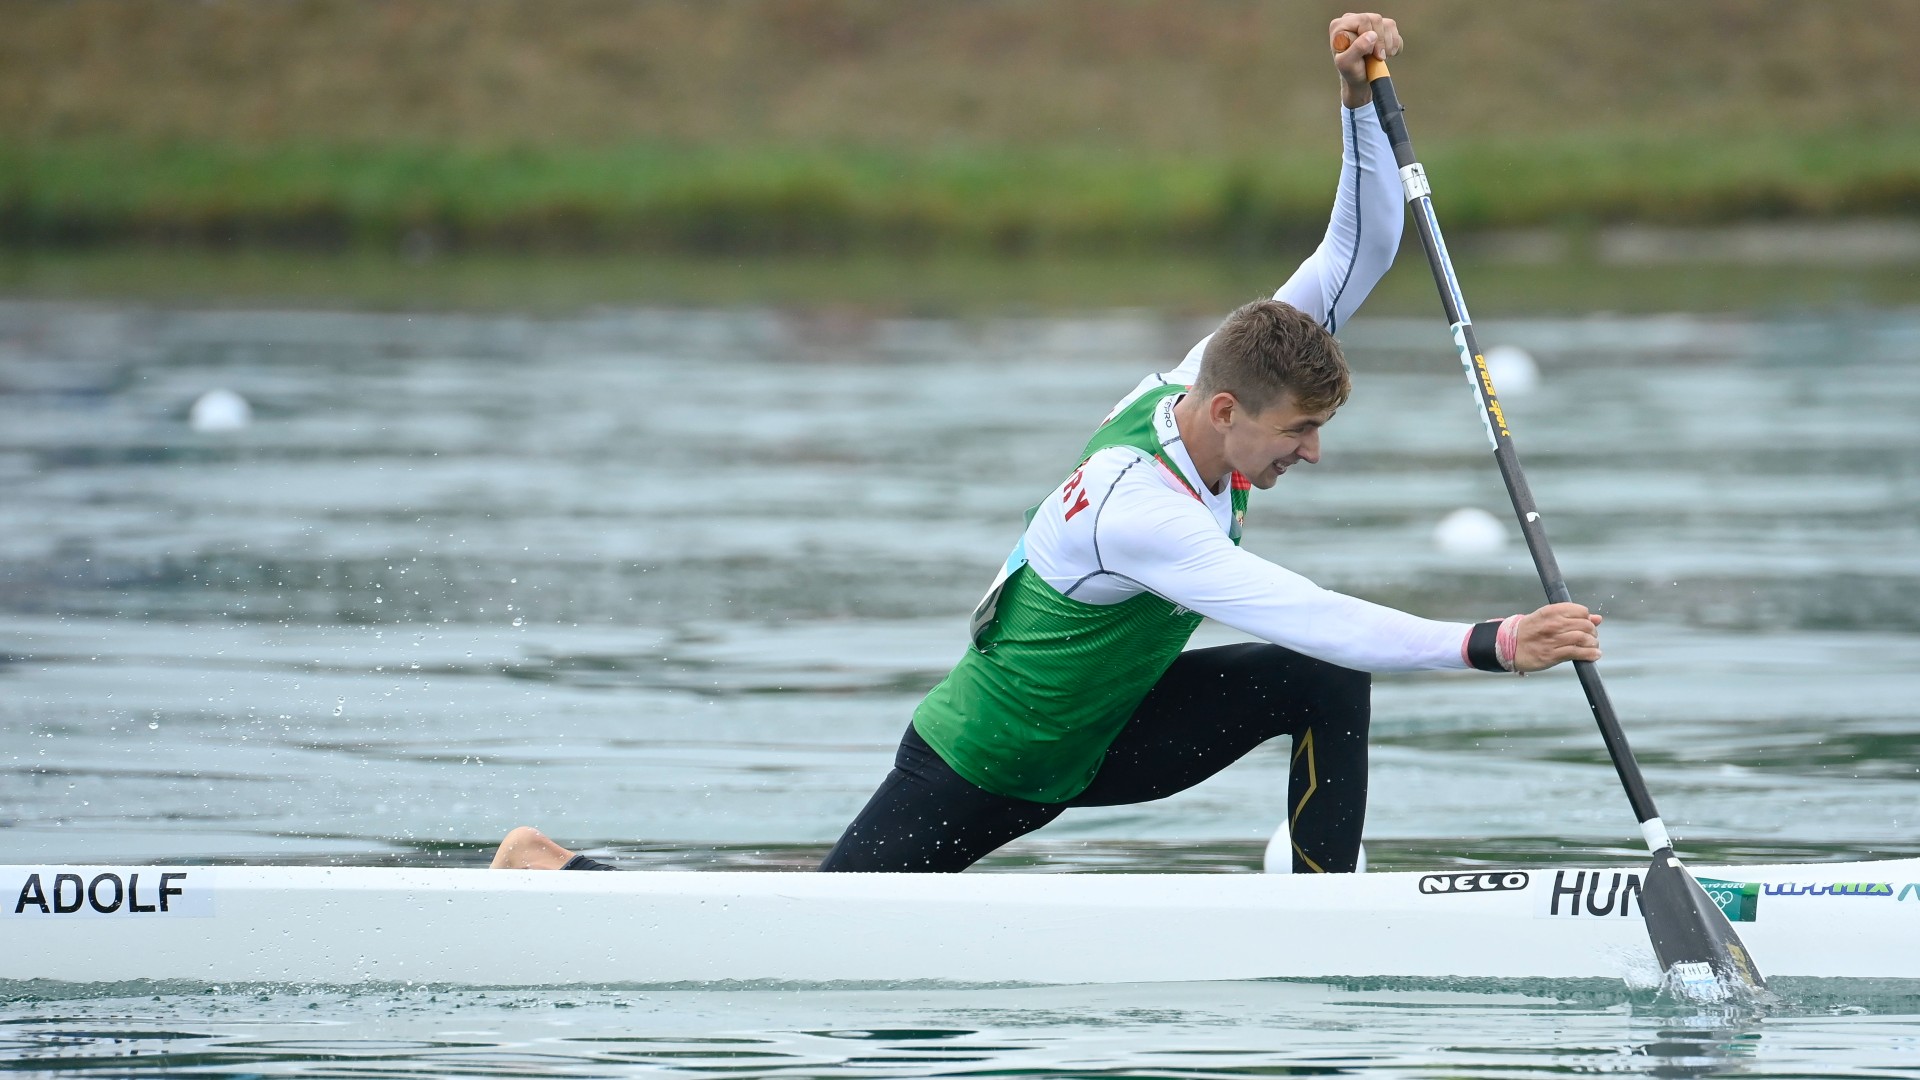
1267 349
1271 376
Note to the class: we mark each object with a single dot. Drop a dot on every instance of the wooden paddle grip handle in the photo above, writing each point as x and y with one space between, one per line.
1376 67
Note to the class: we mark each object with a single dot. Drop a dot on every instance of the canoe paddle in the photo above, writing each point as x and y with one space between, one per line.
1692 939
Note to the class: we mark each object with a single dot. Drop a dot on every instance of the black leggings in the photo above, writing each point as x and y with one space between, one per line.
1209 709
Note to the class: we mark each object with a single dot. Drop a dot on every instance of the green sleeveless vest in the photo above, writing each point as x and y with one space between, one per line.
1048 681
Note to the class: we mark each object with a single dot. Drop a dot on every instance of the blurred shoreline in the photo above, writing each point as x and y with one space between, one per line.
424 198
1745 269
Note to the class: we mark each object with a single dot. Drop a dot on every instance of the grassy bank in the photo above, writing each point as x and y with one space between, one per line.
1005 200
715 126
549 284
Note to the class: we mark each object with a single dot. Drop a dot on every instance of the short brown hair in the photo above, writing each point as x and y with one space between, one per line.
1268 348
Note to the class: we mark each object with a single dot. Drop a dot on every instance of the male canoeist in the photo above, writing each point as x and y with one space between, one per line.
1077 688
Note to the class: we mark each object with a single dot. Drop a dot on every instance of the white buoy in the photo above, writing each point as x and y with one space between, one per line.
1279 856
220 410
1470 531
1513 369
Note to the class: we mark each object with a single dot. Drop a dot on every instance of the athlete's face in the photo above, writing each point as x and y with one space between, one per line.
1262 446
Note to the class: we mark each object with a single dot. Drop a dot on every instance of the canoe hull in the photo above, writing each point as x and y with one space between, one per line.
316 925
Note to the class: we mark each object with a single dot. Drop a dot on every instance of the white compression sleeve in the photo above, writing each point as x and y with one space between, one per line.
1361 239
1364 232
1169 543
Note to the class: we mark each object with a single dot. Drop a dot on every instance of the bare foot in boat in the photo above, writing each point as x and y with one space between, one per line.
527 848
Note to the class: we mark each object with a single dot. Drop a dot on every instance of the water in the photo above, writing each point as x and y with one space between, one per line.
1198 1030
668 583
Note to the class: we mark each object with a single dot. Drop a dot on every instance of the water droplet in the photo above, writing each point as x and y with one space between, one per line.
339 706
517 620
153 725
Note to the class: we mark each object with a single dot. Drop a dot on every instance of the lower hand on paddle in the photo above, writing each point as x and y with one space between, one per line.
1367 35
1555 634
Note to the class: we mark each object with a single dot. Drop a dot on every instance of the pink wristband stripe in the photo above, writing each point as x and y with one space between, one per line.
1507 642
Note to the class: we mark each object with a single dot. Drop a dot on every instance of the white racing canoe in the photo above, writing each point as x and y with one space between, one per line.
311 925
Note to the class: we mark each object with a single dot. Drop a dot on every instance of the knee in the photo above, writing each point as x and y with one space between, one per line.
527 848
1322 681
1347 694
1352 685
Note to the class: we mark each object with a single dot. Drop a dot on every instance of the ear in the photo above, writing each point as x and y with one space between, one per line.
1221 407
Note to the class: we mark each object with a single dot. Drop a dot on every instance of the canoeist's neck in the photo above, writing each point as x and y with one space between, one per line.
1207 447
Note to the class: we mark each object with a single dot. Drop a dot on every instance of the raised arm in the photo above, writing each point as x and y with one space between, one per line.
1368 212
1363 234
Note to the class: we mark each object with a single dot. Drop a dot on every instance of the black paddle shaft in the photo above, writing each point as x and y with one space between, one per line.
1692 940
1420 201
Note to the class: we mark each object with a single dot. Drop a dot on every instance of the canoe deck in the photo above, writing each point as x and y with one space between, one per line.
313 925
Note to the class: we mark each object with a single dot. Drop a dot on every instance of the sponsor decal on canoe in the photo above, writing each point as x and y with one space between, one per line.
1590 894
1598 893
1496 881
117 894
1829 888
1739 901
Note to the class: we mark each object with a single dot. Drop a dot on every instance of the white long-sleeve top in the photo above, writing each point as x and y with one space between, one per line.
1144 531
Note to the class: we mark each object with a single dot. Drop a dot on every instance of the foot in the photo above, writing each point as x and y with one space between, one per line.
526 848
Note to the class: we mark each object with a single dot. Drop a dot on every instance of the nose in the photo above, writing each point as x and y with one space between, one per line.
1309 448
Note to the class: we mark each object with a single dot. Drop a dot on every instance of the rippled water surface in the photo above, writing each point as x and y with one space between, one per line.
668 583
1197 1030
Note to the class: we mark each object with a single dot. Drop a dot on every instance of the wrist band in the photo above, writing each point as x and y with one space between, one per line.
1482 648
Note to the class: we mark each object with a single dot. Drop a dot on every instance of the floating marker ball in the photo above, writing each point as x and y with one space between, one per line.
1470 531
1513 370
220 410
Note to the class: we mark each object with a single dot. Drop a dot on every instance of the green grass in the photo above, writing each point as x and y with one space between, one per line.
1694 179
660 197
653 196
880 283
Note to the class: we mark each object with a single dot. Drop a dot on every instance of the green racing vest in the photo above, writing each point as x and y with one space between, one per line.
1048 682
